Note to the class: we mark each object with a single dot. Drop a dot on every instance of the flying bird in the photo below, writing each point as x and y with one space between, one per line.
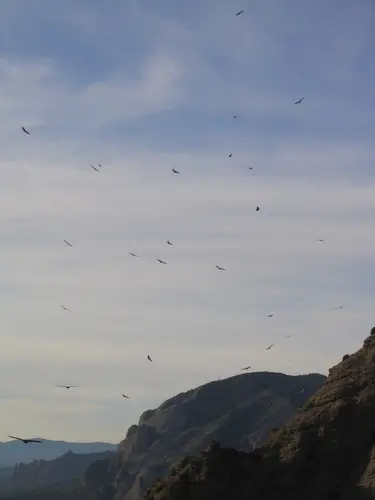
271 315
339 307
92 166
257 209
250 168
66 386
235 116
321 241
125 396
69 244
287 336
65 308
24 130
161 261
148 357
221 268
100 165
175 171
133 254
240 12
246 368
230 156
269 347
169 243
26 441
269 405
299 102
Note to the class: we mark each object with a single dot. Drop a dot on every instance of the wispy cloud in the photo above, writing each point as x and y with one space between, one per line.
143 89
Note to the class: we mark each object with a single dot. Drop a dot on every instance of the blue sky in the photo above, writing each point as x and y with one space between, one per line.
143 87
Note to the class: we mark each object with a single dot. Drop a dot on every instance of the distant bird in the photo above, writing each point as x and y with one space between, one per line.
133 254
25 441
269 347
67 242
65 308
101 166
271 315
161 261
287 336
148 357
257 209
235 116
339 307
169 243
250 168
125 396
269 405
24 130
175 171
66 386
221 268
240 12
230 156
321 241
299 102
303 390
246 368
92 166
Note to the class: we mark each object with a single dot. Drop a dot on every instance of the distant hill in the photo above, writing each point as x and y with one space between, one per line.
65 472
239 412
13 452
327 452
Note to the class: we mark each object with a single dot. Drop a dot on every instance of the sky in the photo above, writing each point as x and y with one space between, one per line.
142 87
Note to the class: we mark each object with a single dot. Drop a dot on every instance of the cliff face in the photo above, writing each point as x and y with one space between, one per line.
327 452
239 412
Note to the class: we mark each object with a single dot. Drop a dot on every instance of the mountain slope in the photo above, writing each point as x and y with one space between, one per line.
66 471
239 411
13 452
327 452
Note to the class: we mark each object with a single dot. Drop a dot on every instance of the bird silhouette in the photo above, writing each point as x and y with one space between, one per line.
26 441
235 116
250 168
148 357
169 243
257 209
175 171
125 396
92 166
161 261
299 102
26 131
69 244
270 347
230 156
65 308
321 241
246 368
240 12
221 268
66 386
271 315
133 254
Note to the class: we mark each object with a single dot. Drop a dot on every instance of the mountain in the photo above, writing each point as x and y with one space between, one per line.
67 471
239 411
13 452
327 452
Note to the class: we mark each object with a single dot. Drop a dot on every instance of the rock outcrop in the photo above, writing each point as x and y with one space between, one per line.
238 412
327 452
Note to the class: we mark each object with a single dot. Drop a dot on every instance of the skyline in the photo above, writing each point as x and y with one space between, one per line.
142 89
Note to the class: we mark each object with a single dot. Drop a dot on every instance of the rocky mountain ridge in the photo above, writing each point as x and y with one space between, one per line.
326 452
239 412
